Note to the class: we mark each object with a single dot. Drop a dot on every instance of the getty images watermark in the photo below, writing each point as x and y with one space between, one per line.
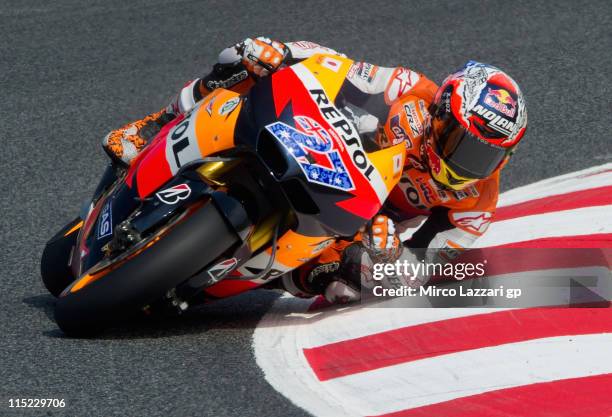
493 277
407 279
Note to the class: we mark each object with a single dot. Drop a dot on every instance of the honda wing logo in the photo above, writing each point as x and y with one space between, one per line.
174 194
218 271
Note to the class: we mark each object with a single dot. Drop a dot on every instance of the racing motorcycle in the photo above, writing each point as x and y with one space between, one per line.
225 198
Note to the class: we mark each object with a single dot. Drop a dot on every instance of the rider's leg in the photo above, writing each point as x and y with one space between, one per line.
123 144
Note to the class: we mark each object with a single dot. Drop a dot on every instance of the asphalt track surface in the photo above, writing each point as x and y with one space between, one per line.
71 70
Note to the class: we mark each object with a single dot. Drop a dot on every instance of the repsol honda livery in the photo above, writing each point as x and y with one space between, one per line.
228 196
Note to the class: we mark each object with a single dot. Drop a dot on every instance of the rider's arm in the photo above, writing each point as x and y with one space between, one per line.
237 69
240 65
450 230
375 89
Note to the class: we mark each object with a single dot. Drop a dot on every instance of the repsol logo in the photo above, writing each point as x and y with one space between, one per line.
347 132
179 142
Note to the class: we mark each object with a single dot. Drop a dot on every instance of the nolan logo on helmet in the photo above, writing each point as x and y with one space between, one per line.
495 121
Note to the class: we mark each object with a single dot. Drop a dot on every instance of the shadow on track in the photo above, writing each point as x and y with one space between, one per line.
240 312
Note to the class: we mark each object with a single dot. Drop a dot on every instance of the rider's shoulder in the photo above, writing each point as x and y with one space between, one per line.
408 117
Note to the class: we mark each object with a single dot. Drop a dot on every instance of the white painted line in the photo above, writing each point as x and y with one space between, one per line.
594 177
443 378
582 221
365 321
277 343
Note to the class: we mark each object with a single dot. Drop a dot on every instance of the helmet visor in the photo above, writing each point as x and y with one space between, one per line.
465 153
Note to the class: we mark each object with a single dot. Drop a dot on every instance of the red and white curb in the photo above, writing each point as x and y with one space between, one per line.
357 361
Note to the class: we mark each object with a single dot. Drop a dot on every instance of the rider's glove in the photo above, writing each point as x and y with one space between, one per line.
380 239
261 56
340 282
379 244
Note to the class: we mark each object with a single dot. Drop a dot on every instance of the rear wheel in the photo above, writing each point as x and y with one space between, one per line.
54 269
185 249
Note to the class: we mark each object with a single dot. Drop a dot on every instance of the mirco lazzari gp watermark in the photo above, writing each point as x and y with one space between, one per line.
406 279
496 277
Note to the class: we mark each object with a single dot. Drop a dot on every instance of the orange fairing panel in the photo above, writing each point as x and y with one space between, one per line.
295 249
329 70
389 162
215 121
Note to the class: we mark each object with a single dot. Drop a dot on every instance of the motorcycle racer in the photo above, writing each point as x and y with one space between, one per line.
458 137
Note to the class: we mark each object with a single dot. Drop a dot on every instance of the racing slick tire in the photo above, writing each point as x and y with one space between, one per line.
54 264
184 250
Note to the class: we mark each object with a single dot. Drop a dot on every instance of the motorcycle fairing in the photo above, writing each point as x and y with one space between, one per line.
226 122
311 98
206 130
339 213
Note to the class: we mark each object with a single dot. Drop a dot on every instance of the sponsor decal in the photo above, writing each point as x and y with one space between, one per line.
402 81
347 138
495 121
331 63
220 270
474 221
500 100
411 193
460 195
105 222
229 106
321 246
450 250
413 119
180 149
414 162
397 164
352 71
323 269
442 194
423 110
473 191
445 100
313 139
366 71
427 191
228 82
399 134
347 131
174 194
433 159
209 106
273 273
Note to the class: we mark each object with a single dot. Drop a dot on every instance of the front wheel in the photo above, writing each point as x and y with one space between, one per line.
184 250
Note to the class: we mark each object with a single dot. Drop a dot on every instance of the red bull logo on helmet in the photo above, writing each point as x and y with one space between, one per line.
500 100
433 159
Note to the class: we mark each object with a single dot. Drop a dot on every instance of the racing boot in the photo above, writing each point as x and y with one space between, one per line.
123 144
